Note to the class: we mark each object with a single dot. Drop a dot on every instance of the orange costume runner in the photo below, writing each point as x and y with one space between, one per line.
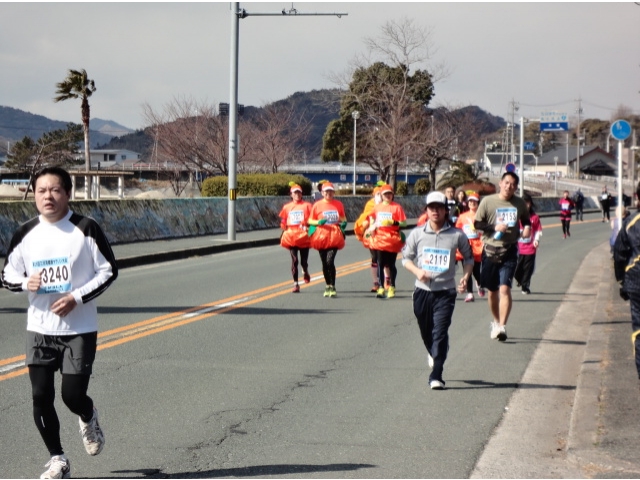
386 238
465 223
326 229
360 230
294 217
387 235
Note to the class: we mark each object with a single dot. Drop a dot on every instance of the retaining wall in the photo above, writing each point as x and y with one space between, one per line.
128 221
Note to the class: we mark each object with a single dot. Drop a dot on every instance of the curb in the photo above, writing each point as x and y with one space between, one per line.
159 257
587 427
223 246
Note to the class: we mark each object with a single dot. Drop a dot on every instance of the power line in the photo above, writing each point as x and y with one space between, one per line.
547 105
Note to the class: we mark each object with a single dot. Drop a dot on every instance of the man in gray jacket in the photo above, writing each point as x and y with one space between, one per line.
430 254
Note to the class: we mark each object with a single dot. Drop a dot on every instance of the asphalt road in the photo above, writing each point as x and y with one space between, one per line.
210 367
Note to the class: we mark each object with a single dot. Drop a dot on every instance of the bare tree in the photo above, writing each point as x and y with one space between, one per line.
390 91
59 147
278 130
439 142
192 134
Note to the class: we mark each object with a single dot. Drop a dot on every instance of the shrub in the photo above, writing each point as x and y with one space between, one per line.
257 184
422 186
402 188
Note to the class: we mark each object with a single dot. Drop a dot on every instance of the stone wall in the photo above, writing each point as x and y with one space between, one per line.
127 221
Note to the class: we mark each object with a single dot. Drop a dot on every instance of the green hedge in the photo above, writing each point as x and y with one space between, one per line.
255 185
422 186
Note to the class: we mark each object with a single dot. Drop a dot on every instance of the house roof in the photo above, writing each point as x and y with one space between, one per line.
497 158
548 157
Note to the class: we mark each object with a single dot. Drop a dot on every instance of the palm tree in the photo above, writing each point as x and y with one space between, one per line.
460 174
78 85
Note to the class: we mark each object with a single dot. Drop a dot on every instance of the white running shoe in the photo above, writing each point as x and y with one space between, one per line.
92 434
58 467
469 298
429 360
436 385
495 330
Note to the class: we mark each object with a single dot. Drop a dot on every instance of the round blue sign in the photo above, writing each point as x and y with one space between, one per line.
510 167
620 130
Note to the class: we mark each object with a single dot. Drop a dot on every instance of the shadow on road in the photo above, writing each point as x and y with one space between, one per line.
253 471
474 384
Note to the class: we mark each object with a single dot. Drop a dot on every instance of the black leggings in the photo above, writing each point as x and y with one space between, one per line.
304 261
328 258
565 225
387 259
74 396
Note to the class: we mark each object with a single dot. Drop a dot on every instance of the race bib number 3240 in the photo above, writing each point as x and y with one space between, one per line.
55 275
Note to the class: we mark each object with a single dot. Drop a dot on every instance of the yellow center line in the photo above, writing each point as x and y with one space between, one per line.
162 323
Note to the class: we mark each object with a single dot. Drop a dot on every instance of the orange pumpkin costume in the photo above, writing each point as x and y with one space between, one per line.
294 217
330 234
387 238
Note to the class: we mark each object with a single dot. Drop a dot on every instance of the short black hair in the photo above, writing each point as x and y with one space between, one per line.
511 174
59 172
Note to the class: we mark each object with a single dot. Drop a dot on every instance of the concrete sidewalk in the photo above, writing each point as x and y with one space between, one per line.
581 420
605 425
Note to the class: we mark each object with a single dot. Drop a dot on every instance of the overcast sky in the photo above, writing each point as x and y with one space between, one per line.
542 55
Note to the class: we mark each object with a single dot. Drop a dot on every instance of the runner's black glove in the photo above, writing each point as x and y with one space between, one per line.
623 294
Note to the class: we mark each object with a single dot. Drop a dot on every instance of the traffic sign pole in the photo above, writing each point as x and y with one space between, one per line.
620 130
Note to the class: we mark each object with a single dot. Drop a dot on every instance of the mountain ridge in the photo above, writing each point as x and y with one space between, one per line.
15 124
321 105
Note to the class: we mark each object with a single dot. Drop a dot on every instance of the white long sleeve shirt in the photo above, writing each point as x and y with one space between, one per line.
74 257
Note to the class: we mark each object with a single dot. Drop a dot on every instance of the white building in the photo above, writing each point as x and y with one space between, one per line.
109 158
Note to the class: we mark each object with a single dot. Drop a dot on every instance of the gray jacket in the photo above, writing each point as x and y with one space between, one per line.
436 253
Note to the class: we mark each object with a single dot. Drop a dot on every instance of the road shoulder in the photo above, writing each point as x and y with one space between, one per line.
534 437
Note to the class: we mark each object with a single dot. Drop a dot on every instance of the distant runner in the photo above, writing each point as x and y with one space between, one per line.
293 220
327 224
499 216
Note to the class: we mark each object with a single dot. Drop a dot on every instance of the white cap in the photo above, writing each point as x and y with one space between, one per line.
436 197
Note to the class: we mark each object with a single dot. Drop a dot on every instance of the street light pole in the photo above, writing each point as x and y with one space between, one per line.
233 121
236 14
356 115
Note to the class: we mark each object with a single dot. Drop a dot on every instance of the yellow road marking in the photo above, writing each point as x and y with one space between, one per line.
162 323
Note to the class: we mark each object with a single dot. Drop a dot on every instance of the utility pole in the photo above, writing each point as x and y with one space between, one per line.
236 15
515 106
579 112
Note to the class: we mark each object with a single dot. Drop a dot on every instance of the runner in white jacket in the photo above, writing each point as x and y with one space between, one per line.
64 261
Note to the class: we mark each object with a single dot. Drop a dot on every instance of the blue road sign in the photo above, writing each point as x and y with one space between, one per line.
510 167
554 126
620 130
529 146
